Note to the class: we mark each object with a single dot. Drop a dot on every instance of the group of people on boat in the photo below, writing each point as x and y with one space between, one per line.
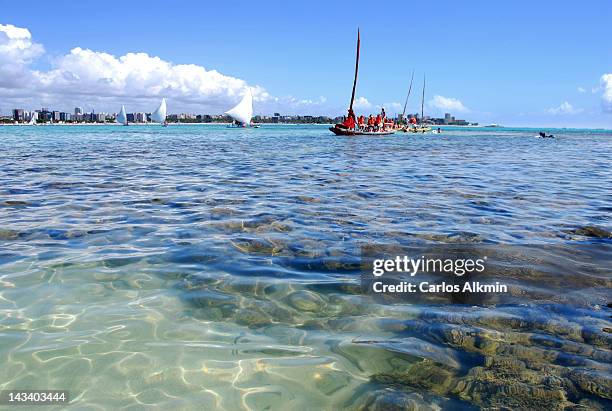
371 124
381 124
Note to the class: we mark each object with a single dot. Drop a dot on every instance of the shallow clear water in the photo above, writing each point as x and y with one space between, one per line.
199 267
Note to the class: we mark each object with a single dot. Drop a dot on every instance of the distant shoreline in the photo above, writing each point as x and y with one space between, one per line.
265 125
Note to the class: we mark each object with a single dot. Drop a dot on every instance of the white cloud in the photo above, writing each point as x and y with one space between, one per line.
86 72
16 44
362 103
448 104
85 77
16 51
564 108
581 90
606 84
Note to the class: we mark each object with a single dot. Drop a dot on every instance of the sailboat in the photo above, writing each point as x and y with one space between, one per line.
159 115
421 128
340 129
122 117
243 111
33 119
405 128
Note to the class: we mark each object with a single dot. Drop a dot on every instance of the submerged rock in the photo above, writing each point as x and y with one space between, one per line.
505 382
422 375
308 199
208 298
252 318
305 301
511 376
393 400
9 234
591 231
595 383
332 381
254 246
13 203
460 237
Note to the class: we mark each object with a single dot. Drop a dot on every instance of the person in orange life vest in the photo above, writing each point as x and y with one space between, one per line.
370 122
361 121
350 121
377 122
413 120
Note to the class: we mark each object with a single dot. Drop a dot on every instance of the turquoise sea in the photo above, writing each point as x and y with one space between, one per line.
200 267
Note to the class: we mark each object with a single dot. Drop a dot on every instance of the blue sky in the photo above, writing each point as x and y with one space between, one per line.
518 62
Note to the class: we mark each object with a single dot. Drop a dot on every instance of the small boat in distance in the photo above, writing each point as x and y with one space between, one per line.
33 119
405 127
343 130
122 117
422 128
243 111
159 115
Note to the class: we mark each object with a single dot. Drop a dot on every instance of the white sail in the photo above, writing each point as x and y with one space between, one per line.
159 115
33 119
243 112
122 116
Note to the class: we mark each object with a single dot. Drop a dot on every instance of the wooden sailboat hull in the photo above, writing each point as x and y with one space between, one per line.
339 131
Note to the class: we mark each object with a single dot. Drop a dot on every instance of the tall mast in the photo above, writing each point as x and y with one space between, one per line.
409 90
356 70
423 98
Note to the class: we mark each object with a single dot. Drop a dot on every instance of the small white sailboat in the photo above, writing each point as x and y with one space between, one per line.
243 111
159 115
122 117
33 119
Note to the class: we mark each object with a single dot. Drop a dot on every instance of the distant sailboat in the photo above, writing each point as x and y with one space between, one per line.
422 128
342 129
423 100
159 115
409 91
122 117
243 111
405 128
33 119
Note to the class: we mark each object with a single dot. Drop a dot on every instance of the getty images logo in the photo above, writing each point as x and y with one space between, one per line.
412 266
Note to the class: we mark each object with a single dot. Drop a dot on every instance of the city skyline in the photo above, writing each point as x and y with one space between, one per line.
522 71
47 115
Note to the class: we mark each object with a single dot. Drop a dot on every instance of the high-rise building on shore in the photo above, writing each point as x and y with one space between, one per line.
78 110
18 114
140 117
